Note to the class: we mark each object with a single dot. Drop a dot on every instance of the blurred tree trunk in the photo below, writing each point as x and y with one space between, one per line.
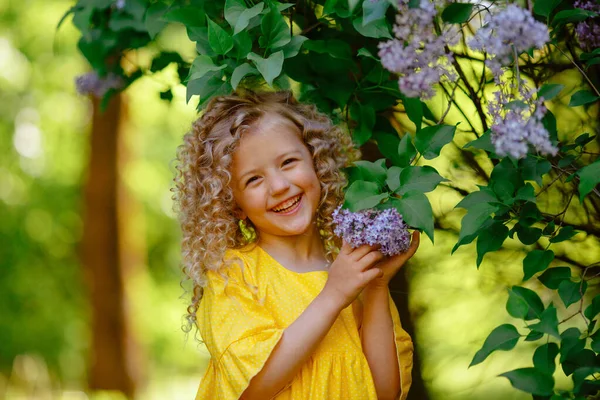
114 352
399 292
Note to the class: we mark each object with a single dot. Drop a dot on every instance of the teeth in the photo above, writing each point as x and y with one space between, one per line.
287 204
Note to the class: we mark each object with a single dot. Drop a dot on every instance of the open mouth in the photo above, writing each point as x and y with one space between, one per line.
288 206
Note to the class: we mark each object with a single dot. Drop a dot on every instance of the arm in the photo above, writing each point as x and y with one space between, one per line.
378 342
297 344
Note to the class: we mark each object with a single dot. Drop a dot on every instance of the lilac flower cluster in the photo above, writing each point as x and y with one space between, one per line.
120 4
588 31
519 124
91 83
417 54
508 33
372 227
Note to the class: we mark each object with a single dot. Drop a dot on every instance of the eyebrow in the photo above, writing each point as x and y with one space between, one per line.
252 171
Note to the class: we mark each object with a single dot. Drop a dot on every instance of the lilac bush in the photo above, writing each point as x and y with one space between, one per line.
520 123
383 227
417 54
93 84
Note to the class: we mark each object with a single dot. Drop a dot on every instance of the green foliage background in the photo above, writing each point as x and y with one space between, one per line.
44 148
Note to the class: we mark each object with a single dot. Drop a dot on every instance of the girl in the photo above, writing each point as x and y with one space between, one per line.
285 310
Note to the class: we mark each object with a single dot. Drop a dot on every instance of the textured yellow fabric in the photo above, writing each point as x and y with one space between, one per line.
240 334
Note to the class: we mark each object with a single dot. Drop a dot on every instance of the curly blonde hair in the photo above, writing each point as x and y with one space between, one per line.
204 201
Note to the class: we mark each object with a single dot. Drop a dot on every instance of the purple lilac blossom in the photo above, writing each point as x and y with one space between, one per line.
511 30
588 31
417 54
514 128
385 227
120 4
91 83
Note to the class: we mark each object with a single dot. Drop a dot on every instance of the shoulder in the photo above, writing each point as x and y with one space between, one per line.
239 265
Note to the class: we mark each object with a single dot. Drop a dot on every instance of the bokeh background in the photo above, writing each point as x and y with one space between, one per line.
48 343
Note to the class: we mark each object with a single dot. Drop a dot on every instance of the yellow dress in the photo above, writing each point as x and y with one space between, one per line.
240 334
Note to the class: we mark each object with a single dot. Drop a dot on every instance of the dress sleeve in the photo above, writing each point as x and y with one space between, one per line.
239 333
404 350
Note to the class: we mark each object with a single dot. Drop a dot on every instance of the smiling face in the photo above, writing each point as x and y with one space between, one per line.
274 182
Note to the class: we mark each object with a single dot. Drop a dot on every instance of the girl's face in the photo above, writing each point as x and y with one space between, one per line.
273 179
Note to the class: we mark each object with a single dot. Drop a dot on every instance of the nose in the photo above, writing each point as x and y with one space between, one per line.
278 183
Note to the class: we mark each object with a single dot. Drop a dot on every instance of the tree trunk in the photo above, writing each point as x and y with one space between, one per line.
399 292
111 366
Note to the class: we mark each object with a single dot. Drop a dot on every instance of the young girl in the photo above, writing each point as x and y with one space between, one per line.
285 310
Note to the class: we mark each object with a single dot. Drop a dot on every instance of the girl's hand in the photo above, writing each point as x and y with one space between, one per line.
351 272
391 265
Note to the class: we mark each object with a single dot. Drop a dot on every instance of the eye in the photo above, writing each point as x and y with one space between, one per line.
289 160
252 179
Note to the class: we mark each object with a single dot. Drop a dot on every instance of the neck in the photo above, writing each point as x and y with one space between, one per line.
302 248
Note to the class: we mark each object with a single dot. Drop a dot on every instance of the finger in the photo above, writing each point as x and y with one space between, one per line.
414 244
370 258
346 249
372 273
362 251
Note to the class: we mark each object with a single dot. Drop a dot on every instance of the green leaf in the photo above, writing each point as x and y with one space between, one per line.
393 178
484 142
491 239
565 233
153 19
583 97
374 10
531 380
549 122
504 337
545 7
526 193
567 16
275 31
570 343
207 86
372 171
473 222
544 358
242 44
416 211
293 47
589 177
406 151
201 66
240 72
238 16
552 277
549 90
219 40
388 146
527 235
188 16
361 195
536 261
484 195
414 110
579 377
375 29
457 13
524 303
269 68
571 292
334 47
422 179
533 336
429 141
548 322
365 116
593 309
